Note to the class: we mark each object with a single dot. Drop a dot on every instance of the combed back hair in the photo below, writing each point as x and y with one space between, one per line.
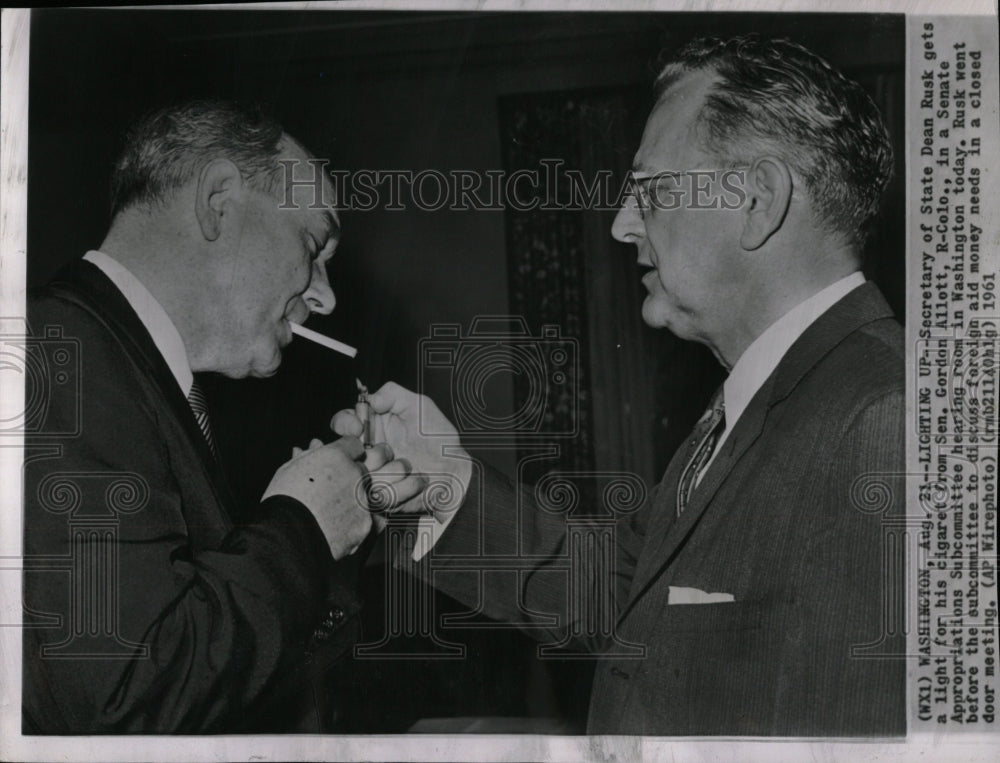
166 148
774 97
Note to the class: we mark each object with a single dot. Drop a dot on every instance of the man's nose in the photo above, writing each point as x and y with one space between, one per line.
319 296
628 227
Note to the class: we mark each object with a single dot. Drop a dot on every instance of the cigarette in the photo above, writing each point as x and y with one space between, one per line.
333 344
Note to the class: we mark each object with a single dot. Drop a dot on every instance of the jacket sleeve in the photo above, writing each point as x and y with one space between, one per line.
153 612
523 563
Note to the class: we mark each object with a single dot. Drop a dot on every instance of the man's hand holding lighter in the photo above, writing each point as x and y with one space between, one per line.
440 461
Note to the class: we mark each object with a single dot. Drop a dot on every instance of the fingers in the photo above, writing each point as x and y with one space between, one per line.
387 494
314 443
346 423
392 398
392 471
392 484
377 456
351 446
409 487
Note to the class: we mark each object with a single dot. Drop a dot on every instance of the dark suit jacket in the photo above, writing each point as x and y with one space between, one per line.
784 520
154 603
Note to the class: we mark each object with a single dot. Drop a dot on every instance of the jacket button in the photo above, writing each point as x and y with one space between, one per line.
336 614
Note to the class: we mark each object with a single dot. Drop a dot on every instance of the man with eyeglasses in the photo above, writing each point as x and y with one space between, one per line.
757 579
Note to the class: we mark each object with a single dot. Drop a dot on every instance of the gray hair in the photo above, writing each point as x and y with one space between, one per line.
166 148
775 97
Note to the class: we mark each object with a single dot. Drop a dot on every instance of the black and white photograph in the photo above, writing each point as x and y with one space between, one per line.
447 381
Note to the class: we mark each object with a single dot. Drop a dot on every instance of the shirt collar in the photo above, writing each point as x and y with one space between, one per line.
162 330
760 359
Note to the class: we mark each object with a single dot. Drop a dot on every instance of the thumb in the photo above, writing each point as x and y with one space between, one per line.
392 398
346 422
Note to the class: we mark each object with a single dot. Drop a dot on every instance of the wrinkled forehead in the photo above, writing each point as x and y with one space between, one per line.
670 140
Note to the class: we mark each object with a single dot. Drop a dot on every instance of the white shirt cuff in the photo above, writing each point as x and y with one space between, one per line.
429 529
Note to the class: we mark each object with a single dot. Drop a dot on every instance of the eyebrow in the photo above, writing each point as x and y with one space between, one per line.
644 175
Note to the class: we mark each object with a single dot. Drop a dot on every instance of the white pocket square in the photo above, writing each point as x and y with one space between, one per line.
682 595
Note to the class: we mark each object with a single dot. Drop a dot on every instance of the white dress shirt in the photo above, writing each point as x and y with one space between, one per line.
756 363
163 331
760 359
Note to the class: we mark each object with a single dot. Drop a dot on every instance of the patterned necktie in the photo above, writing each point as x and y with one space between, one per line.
199 406
706 433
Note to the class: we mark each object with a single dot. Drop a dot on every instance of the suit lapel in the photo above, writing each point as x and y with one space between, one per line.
858 308
671 531
668 534
85 285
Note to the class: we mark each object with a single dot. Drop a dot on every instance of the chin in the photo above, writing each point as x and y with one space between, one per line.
652 314
263 372
261 369
658 313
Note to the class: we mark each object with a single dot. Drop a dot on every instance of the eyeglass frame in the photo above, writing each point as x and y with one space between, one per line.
639 187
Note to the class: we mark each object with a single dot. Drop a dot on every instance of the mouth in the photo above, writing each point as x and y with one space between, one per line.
649 278
285 334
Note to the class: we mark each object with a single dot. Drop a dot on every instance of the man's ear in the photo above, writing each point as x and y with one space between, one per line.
769 193
220 185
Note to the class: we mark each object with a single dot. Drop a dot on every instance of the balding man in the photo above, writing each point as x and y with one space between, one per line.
179 613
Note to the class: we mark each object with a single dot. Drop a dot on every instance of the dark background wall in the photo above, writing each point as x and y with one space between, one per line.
385 91
404 91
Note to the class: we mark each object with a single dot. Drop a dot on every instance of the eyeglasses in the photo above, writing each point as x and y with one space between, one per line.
650 194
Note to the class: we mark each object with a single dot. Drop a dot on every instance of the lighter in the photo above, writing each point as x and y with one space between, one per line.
364 411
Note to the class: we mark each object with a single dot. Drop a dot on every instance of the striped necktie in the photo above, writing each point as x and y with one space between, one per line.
199 406
706 433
